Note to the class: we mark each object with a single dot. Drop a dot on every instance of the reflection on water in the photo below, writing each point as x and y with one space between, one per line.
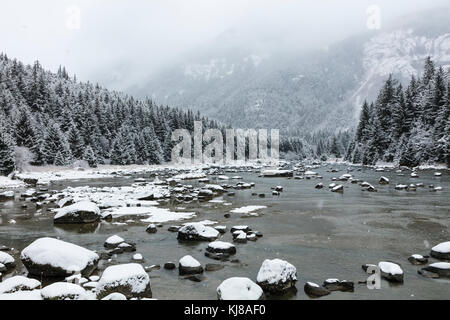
324 234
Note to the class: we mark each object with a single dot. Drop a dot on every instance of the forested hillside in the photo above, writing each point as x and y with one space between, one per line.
410 126
54 119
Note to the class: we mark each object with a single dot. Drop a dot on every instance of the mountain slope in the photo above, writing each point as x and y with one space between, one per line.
248 86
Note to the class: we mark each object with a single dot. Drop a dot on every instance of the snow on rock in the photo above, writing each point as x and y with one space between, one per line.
6 195
18 283
50 257
190 176
138 257
188 265
197 232
338 188
417 259
115 296
7 183
391 271
160 215
22 295
63 291
221 247
384 180
130 279
441 251
337 285
247 209
239 288
313 289
7 260
113 242
277 173
81 212
442 269
276 276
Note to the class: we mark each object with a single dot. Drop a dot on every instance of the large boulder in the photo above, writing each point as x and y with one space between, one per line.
221 247
441 251
63 291
18 283
80 212
130 279
238 288
391 271
197 232
7 260
48 257
276 276
188 265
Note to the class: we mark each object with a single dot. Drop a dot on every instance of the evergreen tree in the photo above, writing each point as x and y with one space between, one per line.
7 164
90 158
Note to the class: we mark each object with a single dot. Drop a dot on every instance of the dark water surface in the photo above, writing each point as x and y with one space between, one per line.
323 234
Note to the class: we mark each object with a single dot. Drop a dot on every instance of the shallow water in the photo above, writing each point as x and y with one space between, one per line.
324 234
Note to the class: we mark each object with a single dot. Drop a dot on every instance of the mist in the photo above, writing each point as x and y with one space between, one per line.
118 43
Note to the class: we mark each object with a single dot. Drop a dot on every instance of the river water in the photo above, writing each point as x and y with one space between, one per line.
323 234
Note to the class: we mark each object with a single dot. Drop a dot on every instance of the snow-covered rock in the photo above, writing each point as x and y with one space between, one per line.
391 271
314 290
151 228
247 209
276 276
197 232
442 269
50 257
138 257
188 265
338 188
239 288
239 236
384 180
417 259
113 242
277 173
6 195
18 283
130 279
63 291
22 295
115 296
338 285
81 212
7 260
441 251
221 247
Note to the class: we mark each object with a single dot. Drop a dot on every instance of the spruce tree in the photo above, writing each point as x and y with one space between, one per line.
7 164
90 158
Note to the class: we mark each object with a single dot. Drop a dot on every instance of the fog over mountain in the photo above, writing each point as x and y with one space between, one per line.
248 85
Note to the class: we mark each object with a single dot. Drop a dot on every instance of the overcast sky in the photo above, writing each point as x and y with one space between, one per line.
144 35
